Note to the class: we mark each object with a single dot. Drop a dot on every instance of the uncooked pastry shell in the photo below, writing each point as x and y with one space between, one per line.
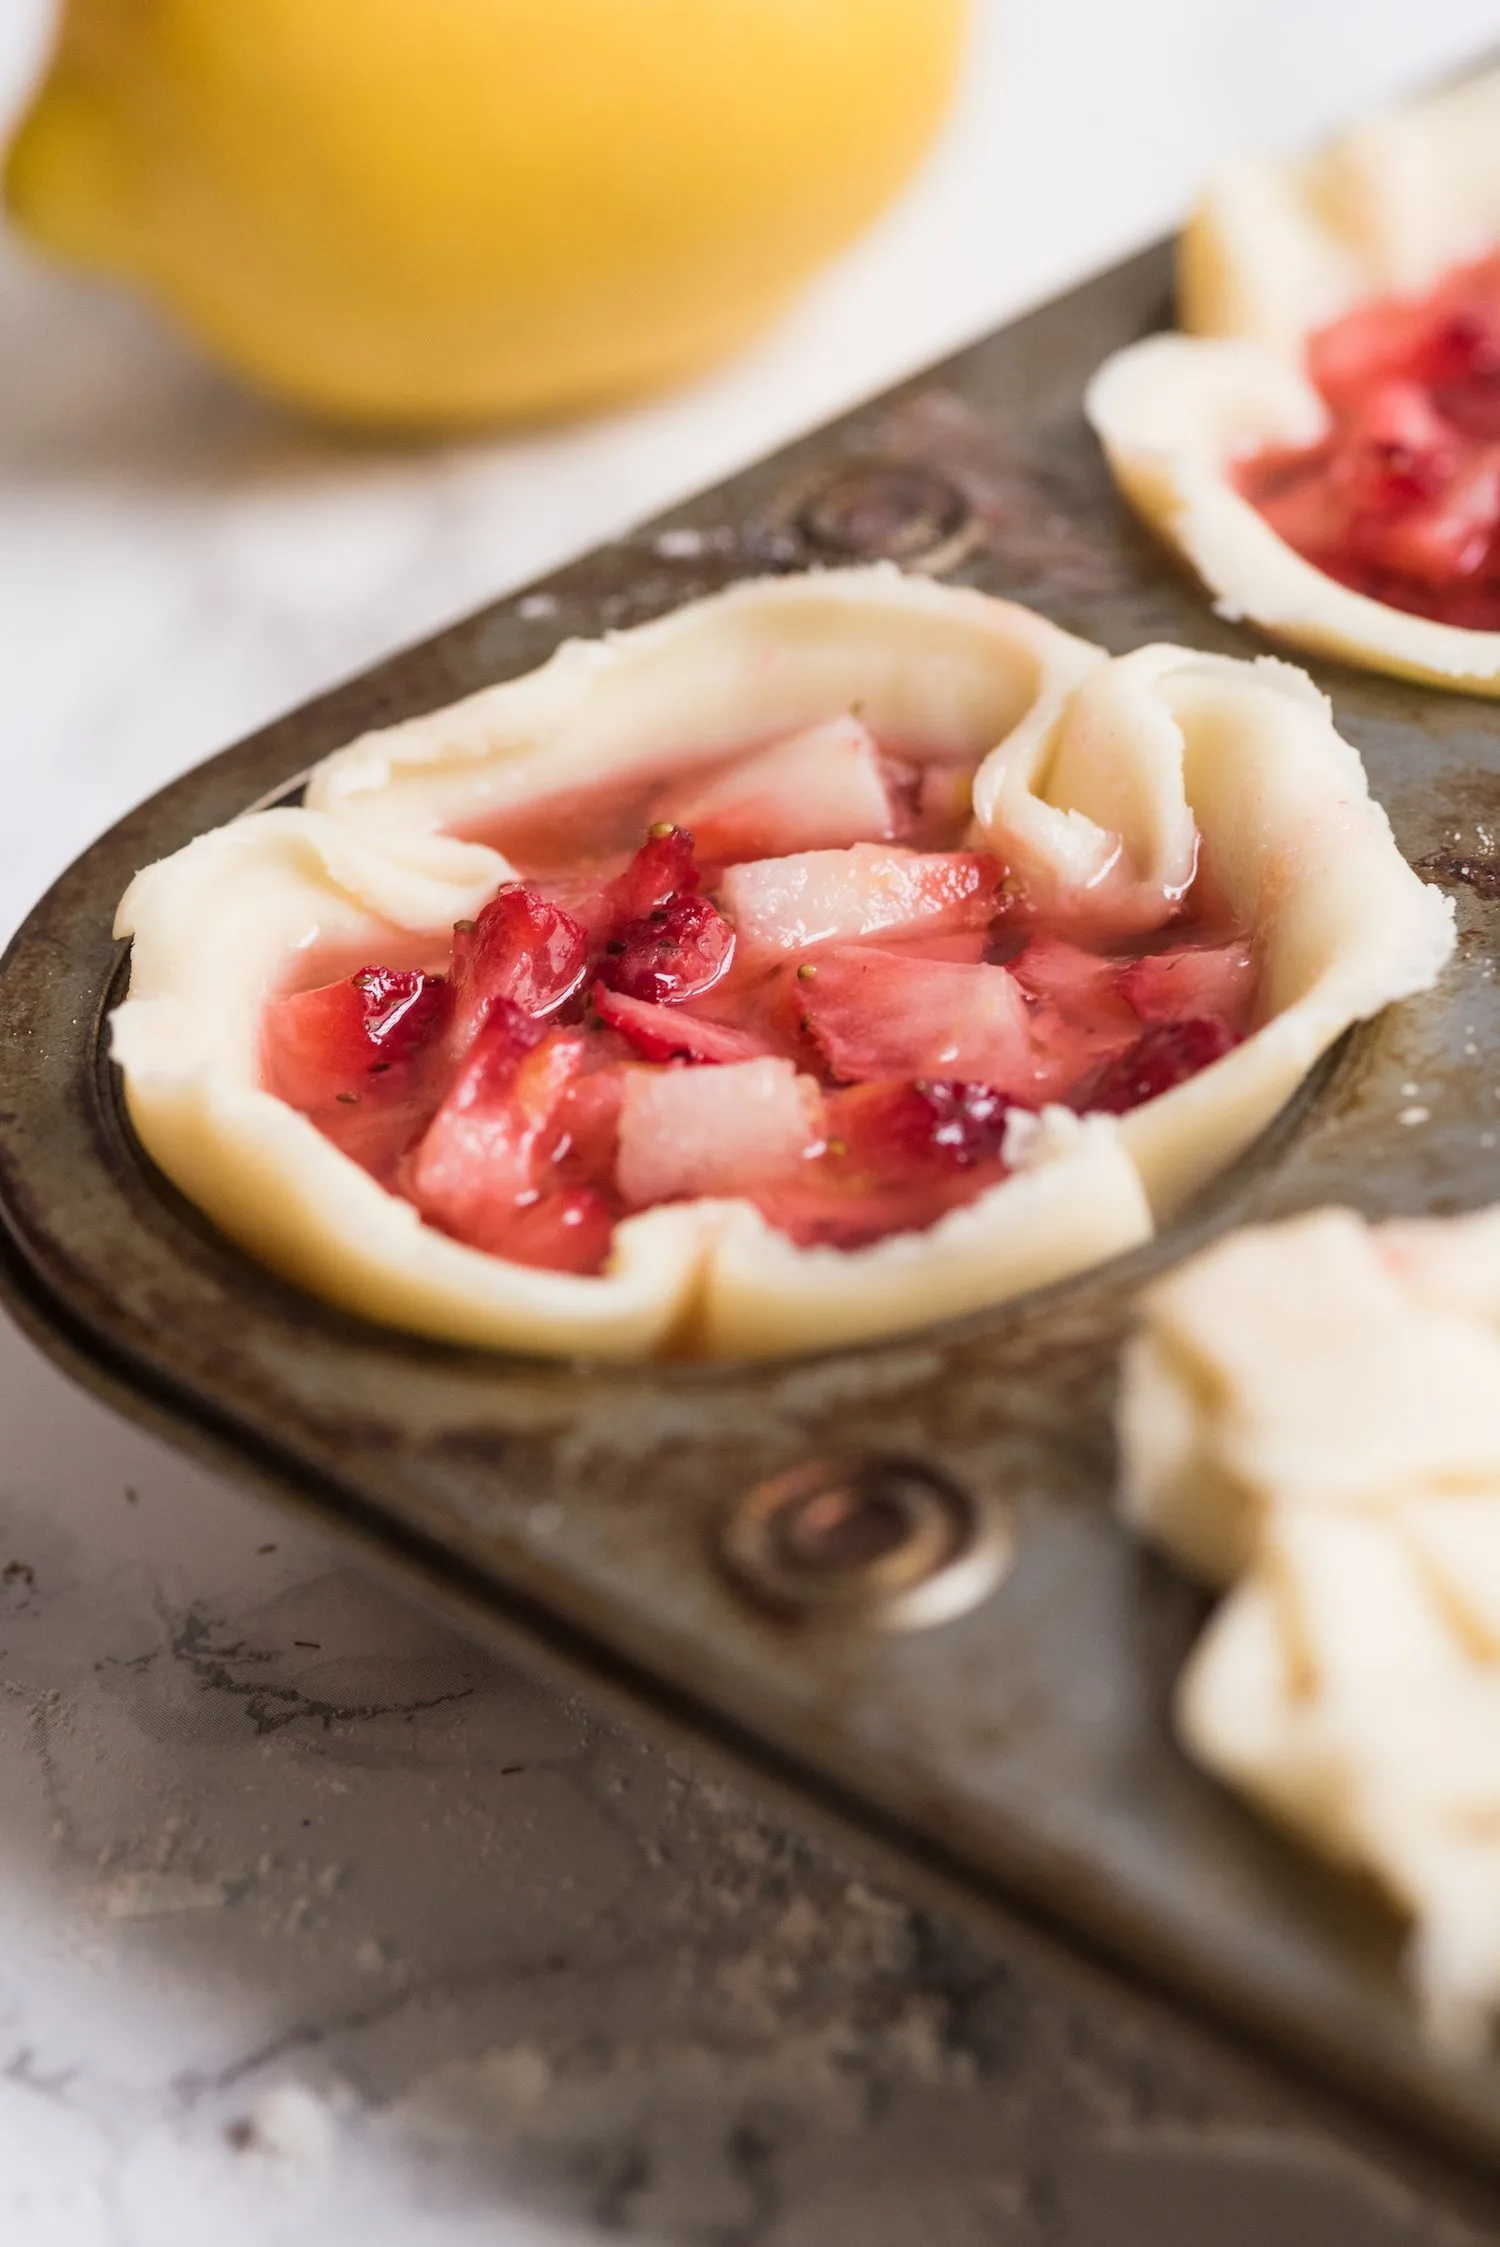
1276 249
1089 770
1310 1415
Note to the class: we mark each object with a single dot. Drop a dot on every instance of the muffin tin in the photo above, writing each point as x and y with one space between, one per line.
891 1574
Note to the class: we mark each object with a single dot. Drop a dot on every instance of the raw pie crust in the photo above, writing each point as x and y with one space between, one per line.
1091 774
1276 249
1310 1415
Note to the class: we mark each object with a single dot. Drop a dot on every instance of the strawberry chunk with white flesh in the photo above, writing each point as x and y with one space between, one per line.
689 1132
478 1161
520 949
822 789
1191 982
1077 982
322 1043
781 905
879 1014
669 1033
1080 1017
359 1057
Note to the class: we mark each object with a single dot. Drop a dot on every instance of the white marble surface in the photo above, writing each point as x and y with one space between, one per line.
313 1923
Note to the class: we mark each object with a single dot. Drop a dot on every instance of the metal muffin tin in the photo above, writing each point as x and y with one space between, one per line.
893 1572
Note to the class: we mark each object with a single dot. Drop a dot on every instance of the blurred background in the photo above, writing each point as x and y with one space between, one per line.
309 1916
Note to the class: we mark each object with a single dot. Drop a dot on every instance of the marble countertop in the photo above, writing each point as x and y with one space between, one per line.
315 1922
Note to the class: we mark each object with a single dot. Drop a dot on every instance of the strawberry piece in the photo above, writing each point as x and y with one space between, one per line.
522 950
584 1142
1192 981
674 953
1084 986
663 1033
480 1157
568 1231
877 1013
888 1131
1463 366
781 905
358 1057
1163 1057
321 1043
820 789
967 945
663 868
896 1158
685 1132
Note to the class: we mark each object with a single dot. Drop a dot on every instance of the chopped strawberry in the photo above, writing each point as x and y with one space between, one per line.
568 1231
887 1130
358 1057
332 1040
479 1157
969 946
1192 981
665 1033
896 1157
1082 985
686 1132
818 789
663 868
875 1014
521 949
1162 1058
674 953
1376 342
781 905
1463 365
584 1142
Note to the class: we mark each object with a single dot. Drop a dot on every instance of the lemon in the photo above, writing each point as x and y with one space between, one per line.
447 211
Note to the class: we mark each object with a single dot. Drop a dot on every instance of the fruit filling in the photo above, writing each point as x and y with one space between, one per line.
789 978
1401 499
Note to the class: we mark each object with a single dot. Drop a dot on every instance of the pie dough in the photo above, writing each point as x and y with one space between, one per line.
1089 772
1310 1414
1276 249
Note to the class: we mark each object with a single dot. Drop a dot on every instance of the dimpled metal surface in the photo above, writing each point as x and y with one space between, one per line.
1026 1744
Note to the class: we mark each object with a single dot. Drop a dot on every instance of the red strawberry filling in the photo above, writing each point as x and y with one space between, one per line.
836 1032
1401 498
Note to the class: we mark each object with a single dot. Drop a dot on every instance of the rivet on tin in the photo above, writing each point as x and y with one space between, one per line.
882 1541
888 511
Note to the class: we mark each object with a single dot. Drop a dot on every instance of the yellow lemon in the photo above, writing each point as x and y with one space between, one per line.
452 210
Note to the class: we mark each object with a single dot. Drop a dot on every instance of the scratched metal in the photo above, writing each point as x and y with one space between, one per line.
1026 1744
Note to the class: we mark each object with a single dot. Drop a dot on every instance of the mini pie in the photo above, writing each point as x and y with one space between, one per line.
1310 1416
989 951
1323 444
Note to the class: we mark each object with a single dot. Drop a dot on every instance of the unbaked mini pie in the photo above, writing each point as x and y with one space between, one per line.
838 954
1323 443
1310 1421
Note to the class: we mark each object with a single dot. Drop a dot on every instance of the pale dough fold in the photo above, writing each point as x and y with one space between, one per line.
1276 249
1310 1414
1084 767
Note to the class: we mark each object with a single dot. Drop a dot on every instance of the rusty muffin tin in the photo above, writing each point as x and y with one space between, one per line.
616 1521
